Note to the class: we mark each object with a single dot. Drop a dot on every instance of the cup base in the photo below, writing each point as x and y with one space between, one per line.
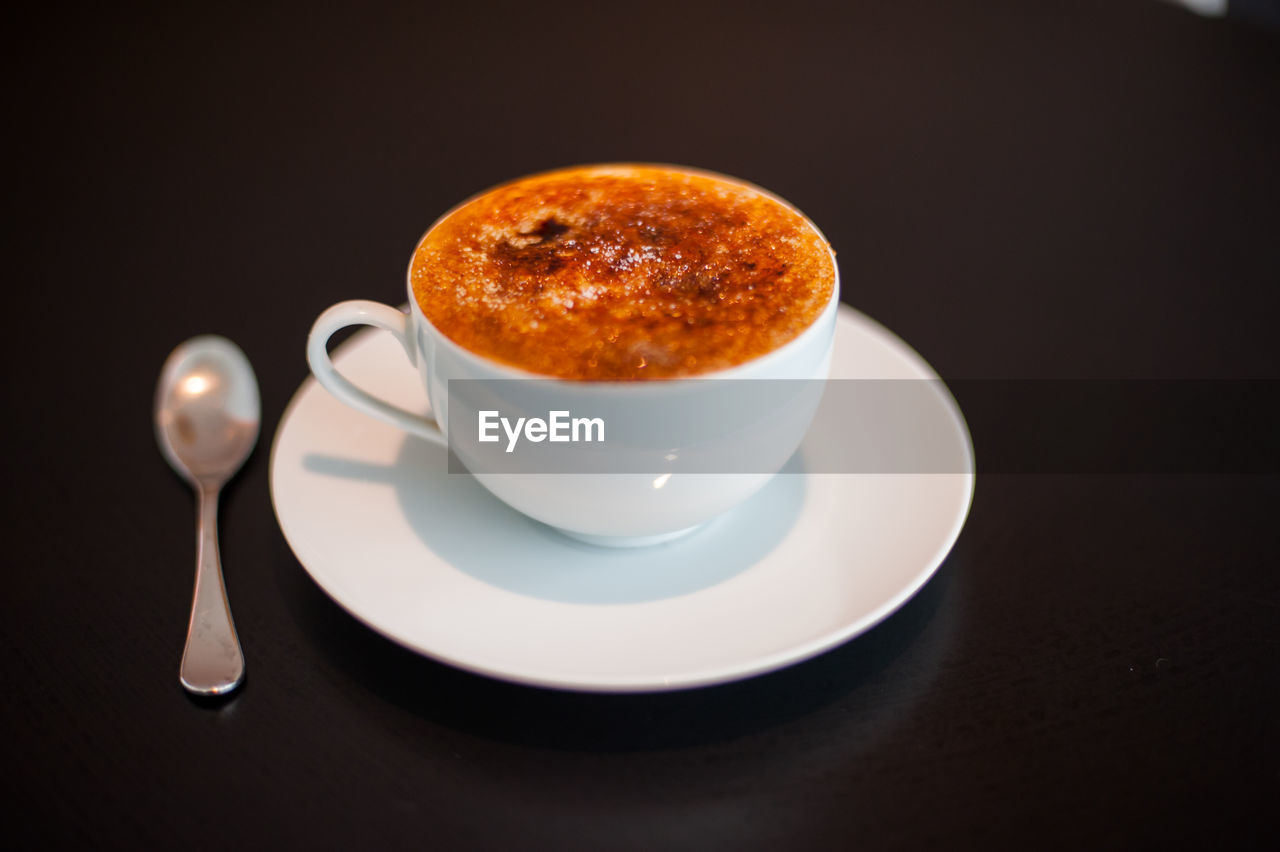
621 541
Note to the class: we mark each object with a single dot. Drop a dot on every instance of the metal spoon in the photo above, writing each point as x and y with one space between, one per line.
207 415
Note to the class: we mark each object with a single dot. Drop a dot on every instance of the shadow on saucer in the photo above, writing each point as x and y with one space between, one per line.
476 533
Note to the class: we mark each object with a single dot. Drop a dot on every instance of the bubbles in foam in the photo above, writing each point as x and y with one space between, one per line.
622 272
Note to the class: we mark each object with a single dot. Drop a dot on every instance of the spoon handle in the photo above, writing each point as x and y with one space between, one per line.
212 662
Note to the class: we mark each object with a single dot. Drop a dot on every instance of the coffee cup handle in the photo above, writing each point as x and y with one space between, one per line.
361 312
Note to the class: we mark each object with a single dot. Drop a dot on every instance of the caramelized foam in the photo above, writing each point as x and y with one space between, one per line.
622 273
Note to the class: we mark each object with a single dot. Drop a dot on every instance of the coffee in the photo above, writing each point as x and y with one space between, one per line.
622 273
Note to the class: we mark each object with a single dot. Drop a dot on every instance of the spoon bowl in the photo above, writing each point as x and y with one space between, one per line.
207 409
207 416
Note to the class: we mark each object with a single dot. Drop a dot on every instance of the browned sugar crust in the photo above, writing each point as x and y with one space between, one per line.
621 273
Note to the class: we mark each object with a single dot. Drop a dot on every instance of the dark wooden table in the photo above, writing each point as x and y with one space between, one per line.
1037 191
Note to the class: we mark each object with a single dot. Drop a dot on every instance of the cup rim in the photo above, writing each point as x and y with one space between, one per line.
512 372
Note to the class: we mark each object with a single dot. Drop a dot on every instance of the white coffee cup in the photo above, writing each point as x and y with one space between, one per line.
619 509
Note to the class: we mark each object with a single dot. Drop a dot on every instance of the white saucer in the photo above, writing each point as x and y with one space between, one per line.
432 561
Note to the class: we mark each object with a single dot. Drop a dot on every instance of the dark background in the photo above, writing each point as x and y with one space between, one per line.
1051 190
